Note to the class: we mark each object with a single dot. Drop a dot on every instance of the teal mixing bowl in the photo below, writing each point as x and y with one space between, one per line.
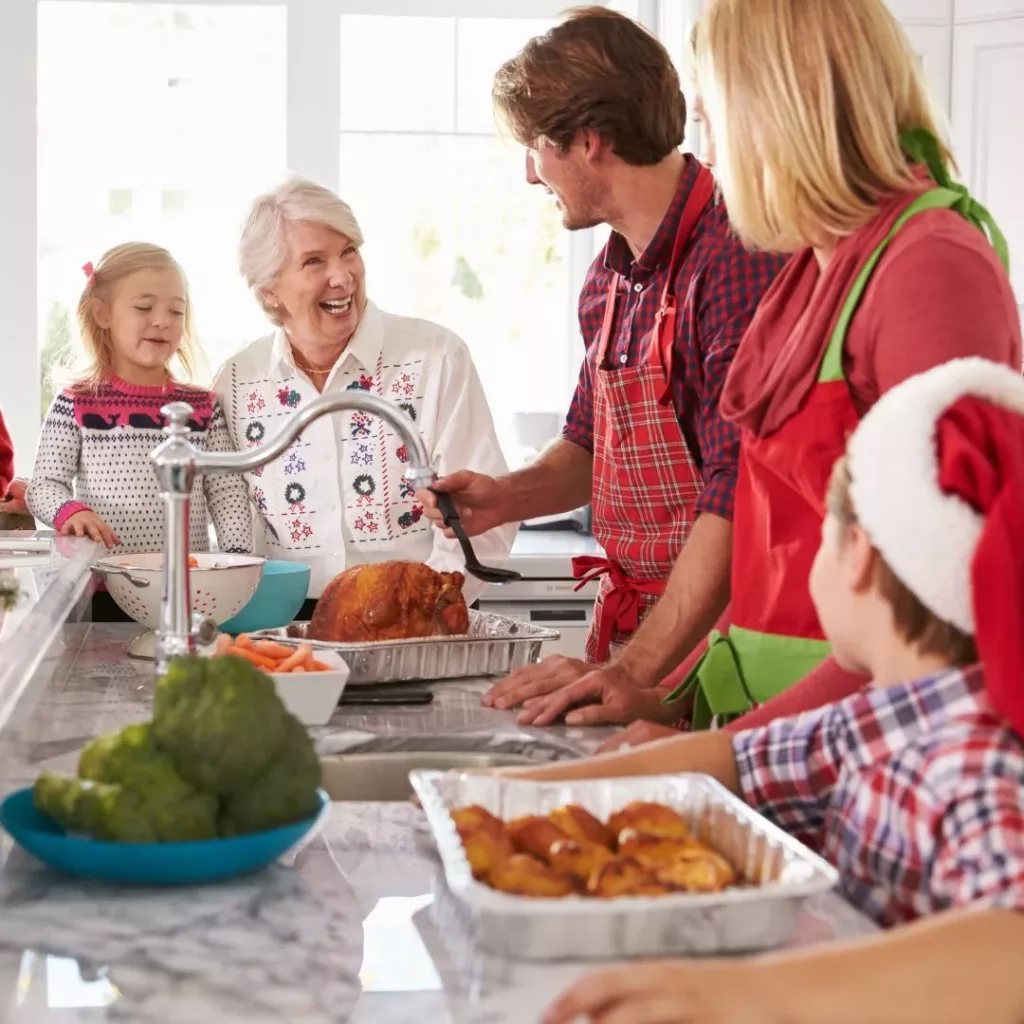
277 600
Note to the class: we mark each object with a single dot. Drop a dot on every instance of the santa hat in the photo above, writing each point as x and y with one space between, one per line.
937 481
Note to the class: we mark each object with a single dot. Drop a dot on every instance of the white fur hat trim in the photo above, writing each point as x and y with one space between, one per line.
927 537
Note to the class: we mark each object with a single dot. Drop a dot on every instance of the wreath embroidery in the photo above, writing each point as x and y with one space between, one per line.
364 485
405 489
294 493
410 518
289 397
409 409
363 384
254 433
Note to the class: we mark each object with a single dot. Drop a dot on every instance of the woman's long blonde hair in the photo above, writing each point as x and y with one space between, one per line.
96 359
807 100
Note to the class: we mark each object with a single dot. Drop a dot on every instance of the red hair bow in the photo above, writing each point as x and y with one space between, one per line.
90 272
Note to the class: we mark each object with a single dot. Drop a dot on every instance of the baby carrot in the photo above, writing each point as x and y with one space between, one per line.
270 649
253 658
298 657
243 640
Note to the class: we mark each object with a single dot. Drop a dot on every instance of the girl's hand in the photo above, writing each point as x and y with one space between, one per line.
88 524
668 992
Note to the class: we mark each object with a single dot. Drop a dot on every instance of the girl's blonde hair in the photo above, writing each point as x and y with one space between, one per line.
96 359
807 100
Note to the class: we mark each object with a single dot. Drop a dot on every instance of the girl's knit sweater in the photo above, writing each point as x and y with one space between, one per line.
94 454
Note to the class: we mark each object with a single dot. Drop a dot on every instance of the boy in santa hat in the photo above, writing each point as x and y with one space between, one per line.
913 788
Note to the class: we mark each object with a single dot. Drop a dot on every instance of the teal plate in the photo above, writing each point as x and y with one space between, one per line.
193 863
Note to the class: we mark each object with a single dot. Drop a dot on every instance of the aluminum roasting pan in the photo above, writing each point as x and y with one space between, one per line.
762 915
494 646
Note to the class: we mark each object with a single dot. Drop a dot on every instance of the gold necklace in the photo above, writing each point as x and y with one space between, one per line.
309 369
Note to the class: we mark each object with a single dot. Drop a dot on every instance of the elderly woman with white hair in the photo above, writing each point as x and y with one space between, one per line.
338 497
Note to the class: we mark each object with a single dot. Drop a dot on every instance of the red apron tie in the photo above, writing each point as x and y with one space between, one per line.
620 608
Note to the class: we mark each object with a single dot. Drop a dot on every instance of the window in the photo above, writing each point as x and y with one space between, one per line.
173 158
161 121
453 232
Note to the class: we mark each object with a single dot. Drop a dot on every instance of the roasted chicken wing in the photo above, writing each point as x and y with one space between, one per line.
698 870
652 851
524 875
485 849
581 825
535 834
623 876
650 819
475 816
579 859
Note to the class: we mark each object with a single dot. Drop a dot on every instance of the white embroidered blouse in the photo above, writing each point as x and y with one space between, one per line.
337 497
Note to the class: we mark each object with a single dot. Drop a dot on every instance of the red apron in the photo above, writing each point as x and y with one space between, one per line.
646 482
775 638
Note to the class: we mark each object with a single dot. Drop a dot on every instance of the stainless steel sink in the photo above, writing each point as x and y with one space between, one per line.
385 776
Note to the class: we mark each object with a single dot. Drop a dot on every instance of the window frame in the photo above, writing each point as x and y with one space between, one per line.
313 74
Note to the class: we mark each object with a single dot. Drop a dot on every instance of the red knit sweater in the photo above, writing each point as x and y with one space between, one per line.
6 458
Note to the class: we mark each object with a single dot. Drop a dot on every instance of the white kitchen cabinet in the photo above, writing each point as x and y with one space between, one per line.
988 127
929 26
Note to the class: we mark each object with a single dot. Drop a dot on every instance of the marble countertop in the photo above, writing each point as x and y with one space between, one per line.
360 928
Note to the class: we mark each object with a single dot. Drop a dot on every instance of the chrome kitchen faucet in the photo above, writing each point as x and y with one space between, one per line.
177 461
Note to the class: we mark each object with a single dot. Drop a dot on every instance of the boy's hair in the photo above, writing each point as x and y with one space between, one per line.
600 70
914 622
96 359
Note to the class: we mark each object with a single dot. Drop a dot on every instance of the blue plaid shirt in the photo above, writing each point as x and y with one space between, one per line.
914 792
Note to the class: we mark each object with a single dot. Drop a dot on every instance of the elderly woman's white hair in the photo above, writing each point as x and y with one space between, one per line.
263 250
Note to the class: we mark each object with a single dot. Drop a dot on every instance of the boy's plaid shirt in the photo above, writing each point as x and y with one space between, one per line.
914 792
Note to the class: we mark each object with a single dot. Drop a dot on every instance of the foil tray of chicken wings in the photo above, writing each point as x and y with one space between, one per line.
743 893
494 646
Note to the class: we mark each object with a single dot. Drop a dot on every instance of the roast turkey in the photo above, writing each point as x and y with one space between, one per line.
390 601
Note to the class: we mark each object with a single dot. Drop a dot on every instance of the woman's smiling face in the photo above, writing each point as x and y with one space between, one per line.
321 290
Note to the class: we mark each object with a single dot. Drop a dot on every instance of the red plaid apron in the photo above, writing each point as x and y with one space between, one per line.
646 482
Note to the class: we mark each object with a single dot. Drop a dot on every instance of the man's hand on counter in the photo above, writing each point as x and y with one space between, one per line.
533 681
607 696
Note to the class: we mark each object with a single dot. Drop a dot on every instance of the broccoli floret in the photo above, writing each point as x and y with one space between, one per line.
131 793
286 793
220 721
57 796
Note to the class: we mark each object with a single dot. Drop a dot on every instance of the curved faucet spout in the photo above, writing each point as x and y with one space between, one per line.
420 473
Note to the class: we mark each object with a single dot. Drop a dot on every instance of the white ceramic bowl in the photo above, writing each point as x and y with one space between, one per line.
220 587
310 696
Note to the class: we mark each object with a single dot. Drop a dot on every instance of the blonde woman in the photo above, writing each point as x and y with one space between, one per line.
92 474
338 497
825 146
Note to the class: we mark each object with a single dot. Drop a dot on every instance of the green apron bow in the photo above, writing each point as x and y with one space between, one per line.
921 146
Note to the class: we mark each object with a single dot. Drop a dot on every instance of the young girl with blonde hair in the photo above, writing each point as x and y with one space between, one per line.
92 474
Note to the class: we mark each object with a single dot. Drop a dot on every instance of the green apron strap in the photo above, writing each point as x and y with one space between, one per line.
921 147
832 364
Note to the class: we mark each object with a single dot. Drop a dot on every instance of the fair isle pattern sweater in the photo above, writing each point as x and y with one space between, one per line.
94 454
